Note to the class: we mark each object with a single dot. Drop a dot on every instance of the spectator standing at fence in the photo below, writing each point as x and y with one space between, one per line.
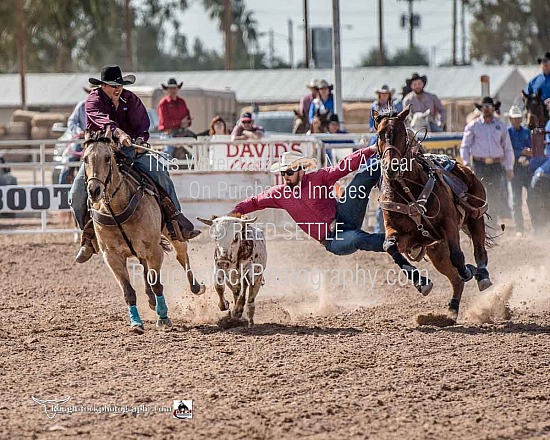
520 137
246 129
541 81
422 101
487 149
384 102
324 103
73 151
174 115
218 127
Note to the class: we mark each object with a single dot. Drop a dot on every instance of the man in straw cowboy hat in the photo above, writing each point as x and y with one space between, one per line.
305 102
111 107
422 101
310 200
520 137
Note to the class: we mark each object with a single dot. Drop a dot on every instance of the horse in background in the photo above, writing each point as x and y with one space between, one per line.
128 222
537 112
425 206
320 122
420 120
300 124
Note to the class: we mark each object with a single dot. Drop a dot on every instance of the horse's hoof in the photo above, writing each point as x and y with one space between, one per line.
164 324
470 270
484 284
137 329
224 305
426 288
198 289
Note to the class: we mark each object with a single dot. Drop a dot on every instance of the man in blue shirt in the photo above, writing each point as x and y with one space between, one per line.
540 188
541 82
520 137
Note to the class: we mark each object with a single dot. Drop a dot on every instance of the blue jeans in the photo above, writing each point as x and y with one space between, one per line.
352 206
146 163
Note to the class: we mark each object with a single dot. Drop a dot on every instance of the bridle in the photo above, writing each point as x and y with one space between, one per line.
389 139
105 184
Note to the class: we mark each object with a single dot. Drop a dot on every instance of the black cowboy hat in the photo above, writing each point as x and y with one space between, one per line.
333 117
172 83
112 76
488 100
414 76
546 56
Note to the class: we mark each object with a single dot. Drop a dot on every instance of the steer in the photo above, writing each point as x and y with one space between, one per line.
240 258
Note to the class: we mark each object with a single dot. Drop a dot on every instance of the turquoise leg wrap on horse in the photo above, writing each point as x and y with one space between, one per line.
161 308
135 320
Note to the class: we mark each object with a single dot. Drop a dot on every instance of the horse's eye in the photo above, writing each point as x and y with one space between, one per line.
106 159
85 159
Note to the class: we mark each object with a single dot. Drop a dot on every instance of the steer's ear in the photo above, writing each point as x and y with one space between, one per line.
205 221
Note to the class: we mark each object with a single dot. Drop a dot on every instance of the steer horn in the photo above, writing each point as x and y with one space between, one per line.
205 221
249 220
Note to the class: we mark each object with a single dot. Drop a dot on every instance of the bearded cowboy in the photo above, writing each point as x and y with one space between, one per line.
309 199
110 107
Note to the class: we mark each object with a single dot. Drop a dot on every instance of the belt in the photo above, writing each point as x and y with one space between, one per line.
488 160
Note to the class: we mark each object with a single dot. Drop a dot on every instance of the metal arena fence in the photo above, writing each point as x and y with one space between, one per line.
207 162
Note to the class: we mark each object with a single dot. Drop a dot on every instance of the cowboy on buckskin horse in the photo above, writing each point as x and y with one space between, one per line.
112 107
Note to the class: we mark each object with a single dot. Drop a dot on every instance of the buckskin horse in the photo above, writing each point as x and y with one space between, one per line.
128 222
425 206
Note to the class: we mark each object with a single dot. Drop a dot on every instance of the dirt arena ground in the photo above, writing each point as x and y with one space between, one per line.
329 358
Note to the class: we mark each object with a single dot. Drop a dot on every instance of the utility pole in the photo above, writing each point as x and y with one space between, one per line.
128 18
336 64
463 30
306 36
228 21
381 57
413 21
454 32
21 53
271 47
290 43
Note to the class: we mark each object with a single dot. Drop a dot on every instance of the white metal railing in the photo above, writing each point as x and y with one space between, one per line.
200 149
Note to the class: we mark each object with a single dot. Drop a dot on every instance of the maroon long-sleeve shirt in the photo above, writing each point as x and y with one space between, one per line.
312 204
130 116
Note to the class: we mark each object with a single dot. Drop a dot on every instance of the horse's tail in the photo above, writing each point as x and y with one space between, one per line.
490 234
165 244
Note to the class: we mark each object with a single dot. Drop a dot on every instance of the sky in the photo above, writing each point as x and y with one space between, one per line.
359 22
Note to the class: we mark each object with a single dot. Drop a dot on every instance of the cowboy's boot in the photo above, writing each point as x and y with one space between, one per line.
179 227
88 243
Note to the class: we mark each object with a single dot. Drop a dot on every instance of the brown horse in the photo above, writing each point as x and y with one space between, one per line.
300 124
128 222
537 113
422 214
320 122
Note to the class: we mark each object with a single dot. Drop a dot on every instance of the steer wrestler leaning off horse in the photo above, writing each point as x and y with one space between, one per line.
121 111
309 200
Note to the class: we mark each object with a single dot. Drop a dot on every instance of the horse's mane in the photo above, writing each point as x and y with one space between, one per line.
93 137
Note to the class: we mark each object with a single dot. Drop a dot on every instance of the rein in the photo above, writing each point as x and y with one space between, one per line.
414 208
122 217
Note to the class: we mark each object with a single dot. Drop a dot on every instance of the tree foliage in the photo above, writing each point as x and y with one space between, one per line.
403 57
509 31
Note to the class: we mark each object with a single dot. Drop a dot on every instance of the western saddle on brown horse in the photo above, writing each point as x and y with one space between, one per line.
426 201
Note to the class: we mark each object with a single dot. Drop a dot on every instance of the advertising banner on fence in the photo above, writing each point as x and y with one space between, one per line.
254 155
34 198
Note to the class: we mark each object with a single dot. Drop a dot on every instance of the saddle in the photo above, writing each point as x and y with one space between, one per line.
144 185
442 165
